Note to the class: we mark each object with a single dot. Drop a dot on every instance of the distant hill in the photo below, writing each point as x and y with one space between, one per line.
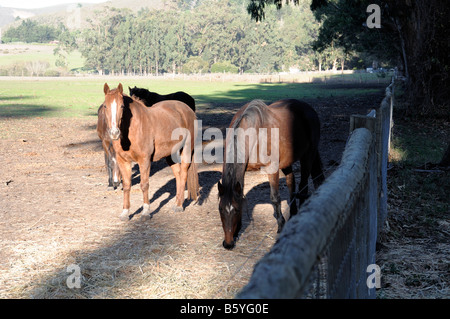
9 15
76 14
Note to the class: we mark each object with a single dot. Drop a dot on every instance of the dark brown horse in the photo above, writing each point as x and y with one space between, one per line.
150 98
110 155
294 135
140 134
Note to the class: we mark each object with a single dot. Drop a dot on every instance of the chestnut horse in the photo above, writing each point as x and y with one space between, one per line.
140 134
110 155
298 139
149 99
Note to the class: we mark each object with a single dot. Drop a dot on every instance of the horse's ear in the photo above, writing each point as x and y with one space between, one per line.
106 88
238 188
220 188
120 88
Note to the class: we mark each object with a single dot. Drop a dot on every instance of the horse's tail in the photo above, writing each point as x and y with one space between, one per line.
192 179
317 170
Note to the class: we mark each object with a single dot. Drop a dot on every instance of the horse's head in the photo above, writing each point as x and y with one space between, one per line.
113 105
133 91
230 207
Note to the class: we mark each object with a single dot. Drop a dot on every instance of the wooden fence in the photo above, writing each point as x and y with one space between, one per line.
326 249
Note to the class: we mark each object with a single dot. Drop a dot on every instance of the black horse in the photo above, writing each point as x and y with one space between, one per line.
150 98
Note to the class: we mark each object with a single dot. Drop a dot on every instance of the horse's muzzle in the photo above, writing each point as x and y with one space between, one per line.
228 246
114 133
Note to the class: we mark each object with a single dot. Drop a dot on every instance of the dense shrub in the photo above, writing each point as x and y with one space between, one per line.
224 67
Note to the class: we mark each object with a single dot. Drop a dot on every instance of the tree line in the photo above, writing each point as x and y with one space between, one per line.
198 37
30 31
212 37
411 33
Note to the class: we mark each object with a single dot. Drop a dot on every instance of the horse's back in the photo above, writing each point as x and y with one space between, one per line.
184 97
299 126
297 107
301 113
173 108
172 114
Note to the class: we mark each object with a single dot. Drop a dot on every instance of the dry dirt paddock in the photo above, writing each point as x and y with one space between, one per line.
56 211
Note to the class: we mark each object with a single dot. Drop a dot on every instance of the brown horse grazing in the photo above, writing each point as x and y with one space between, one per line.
150 98
143 135
298 128
110 155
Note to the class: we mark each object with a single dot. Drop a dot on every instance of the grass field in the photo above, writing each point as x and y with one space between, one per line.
68 97
11 54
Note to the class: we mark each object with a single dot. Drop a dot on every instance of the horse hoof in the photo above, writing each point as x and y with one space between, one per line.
125 216
177 209
280 228
145 210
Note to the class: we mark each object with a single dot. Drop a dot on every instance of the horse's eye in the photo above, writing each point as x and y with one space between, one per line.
104 105
122 106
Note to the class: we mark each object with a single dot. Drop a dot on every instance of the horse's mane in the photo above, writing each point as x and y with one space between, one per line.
256 114
143 95
138 99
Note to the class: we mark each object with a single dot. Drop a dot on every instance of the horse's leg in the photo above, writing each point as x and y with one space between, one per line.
107 164
290 181
176 169
125 170
317 171
275 199
109 170
183 179
144 169
115 172
305 169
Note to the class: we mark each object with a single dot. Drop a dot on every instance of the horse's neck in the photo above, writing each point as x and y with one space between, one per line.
136 114
233 173
152 97
235 162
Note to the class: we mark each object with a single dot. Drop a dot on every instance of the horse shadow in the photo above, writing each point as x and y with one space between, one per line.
207 180
155 168
259 194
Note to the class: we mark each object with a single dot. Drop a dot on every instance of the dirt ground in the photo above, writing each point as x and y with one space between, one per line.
56 211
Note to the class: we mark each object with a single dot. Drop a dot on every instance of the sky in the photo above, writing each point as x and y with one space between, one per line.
32 4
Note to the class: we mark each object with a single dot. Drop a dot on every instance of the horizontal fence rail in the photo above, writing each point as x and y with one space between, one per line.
328 249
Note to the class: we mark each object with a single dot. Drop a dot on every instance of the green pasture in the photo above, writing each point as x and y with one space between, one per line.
75 97
18 54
